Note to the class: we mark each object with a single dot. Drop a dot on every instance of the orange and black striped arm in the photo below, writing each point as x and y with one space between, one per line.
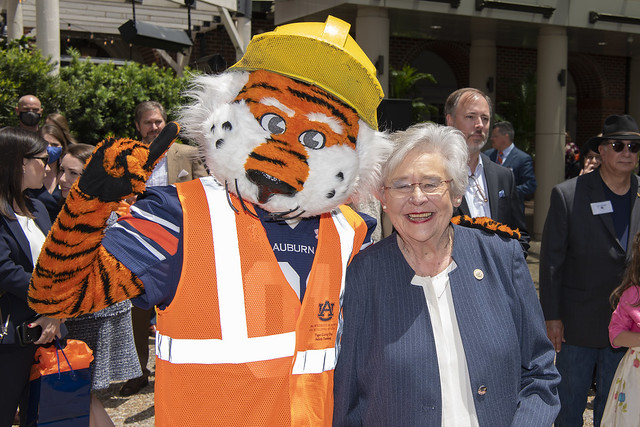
486 224
75 274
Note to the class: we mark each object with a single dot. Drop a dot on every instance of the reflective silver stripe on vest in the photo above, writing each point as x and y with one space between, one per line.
214 351
314 361
235 345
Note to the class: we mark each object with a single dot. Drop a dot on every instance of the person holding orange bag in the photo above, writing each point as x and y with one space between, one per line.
24 223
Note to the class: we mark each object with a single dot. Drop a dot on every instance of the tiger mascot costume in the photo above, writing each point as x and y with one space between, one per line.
246 268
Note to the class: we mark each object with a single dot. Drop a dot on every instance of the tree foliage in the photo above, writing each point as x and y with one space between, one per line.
520 109
23 71
97 99
402 85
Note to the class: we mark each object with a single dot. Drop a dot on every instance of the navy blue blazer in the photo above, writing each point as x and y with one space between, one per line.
504 201
16 266
521 164
387 370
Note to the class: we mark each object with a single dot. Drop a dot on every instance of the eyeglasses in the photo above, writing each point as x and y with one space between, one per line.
428 188
619 146
479 191
44 159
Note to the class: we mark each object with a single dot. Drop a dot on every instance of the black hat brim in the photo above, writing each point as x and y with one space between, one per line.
594 142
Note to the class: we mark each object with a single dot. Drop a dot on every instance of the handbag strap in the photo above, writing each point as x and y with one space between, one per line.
59 347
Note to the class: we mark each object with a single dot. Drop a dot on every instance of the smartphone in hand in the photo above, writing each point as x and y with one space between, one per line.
27 335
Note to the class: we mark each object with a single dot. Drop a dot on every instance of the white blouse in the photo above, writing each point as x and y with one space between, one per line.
35 236
458 407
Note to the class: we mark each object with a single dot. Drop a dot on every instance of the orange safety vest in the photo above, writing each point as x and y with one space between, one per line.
235 346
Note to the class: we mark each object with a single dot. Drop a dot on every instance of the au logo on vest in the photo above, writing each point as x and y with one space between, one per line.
325 311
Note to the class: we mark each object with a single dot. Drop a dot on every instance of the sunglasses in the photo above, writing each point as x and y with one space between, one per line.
45 159
619 146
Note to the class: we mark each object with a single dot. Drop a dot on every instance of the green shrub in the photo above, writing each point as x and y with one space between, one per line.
23 71
97 99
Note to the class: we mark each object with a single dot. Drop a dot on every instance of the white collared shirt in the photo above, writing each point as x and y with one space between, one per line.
476 188
458 408
160 175
34 235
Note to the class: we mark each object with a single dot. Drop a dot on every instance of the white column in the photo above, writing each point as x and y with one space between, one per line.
482 66
372 35
48 30
551 110
244 29
15 27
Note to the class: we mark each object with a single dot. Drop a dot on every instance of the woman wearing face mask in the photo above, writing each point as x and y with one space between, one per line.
57 144
107 332
24 223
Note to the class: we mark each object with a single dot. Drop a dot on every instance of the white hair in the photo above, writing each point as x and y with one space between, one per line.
447 141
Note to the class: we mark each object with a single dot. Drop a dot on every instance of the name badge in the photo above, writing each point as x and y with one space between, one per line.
600 208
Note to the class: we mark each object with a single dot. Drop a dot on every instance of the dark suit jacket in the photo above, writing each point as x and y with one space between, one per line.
16 266
503 200
581 259
387 371
521 164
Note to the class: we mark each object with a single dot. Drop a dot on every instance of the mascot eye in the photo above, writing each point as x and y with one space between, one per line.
273 123
312 139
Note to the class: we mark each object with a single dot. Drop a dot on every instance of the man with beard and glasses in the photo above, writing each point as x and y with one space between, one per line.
491 191
29 112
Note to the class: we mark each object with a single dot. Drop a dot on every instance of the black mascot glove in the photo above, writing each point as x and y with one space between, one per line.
120 168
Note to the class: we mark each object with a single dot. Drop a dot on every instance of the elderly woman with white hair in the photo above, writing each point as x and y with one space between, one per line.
442 324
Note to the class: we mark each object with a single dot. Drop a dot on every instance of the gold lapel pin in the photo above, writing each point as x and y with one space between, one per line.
478 274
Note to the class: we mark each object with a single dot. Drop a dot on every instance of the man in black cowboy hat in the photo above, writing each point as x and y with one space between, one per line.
586 240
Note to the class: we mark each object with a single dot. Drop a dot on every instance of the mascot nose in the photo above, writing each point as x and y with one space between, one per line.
269 185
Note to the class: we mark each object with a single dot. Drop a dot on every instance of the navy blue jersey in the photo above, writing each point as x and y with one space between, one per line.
149 243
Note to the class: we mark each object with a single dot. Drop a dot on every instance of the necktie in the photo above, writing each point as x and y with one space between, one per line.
499 159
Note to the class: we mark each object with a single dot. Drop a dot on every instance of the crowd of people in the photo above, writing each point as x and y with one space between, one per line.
52 161
438 323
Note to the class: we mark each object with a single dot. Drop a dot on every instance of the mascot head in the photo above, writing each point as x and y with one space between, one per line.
292 126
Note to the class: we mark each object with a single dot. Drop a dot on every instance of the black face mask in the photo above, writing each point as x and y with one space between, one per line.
29 118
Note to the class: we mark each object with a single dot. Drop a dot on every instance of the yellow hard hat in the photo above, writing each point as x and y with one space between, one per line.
322 54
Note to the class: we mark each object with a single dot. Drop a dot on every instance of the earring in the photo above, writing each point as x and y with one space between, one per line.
384 207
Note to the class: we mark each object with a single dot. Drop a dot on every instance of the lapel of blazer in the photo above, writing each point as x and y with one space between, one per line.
595 194
15 229
634 223
493 155
512 159
172 164
42 218
463 209
492 184
465 287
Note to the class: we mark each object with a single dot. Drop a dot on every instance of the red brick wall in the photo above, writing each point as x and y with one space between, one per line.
600 80
218 42
402 50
